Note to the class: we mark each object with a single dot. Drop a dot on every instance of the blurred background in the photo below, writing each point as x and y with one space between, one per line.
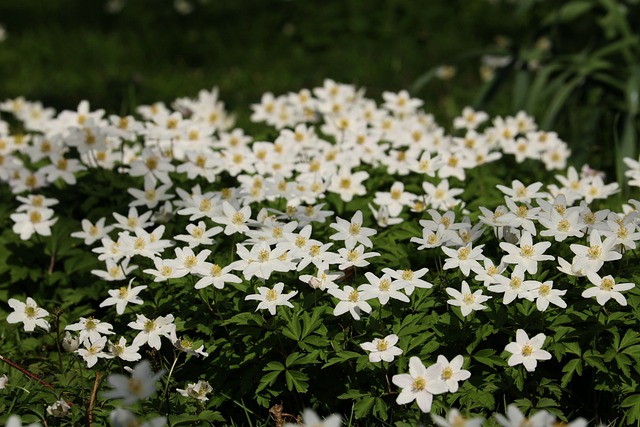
573 65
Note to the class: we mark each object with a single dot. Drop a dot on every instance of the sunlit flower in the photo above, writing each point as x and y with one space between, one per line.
122 296
606 288
527 351
382 349
351 300
452 371
28 313
420 384
271 298
151 330
466 300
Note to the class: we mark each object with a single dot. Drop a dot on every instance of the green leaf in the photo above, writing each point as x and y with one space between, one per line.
297 380
363 406
595 359
352 394
633 403
569 12
274 366
268 380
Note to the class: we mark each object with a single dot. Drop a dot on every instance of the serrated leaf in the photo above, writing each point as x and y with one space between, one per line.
362 408
296 380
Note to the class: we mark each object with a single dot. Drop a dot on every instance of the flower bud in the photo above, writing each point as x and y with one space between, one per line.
59 408
70 343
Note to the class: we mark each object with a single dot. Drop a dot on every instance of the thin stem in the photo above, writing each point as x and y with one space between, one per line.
92 400
166 387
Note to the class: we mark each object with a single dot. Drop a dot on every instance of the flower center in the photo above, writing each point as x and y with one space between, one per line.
353 255
345 183
205 205
384 284
237 218
139 243
407 275
353 296
149 325
515 283
35 217
263 255
447 373
468 298
564 225
607 284
272 295
123 293
354 229
216 270
30 311
544 290
594 252
418 384
463 253
527 350
382 345
526 251
135 386
90 324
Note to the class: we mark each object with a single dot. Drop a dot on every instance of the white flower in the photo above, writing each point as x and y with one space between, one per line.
545 294
123 296
261 261
514 286
355 257
60 408
515 418
217 277
235 221
351 301
593 257
382 348
124 418
310 418
15 421
466 300
452 372
4 380
527 351
35 220
90 232
454 419
198 390
420 384
352 232
324 278
92 350
140 385
152 329
271 298
70 343
90 328
382 288
124 352
409 279
527 254
28 313
606 288
464 258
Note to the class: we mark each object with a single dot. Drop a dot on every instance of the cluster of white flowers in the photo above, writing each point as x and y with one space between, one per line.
327 137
